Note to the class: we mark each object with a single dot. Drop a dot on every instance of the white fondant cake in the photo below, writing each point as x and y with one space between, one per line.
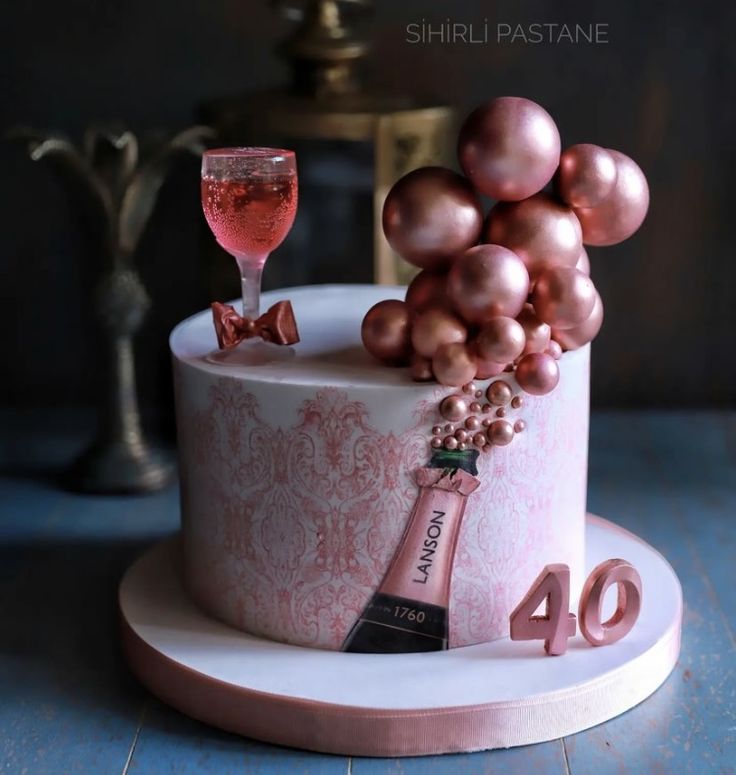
299 479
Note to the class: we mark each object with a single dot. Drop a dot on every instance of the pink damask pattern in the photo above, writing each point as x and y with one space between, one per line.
290 528
301 521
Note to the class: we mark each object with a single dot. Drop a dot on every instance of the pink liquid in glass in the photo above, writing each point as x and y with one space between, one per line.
250 218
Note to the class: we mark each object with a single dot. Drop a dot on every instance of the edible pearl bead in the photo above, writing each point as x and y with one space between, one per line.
469 388
499 392
436 430
501 433
500 412
517 402
519 426
450 442
453 408
461 435
472 423
479 440
436 442
475 407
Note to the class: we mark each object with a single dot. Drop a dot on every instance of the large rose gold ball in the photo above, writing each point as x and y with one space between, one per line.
537 374
540 230
509 148
501 340
386 331
453 364
488 281
431 215
434 328
572 338
586 175
427 289
536 332
583 262
622 212
563 297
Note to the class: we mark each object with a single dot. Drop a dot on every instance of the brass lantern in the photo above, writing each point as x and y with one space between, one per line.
344 136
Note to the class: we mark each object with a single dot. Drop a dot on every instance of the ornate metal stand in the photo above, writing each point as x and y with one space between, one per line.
119 192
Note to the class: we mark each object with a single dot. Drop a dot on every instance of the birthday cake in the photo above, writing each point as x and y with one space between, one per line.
399 477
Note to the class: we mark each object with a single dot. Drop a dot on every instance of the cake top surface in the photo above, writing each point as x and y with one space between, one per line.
330 350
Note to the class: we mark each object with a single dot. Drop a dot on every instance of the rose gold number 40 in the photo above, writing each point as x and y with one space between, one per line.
552 587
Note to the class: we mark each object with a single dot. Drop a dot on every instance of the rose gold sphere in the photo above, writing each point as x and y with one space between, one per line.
500 433
499 393
488 281
501 340
431 215
436 442
453 364
488 369
537 332
572 338
472 423
563 297
500 412
586 175
461 434
427 290
475 406
435 327
519 426
453 408
450 442
479 439
509 148
386 331
538 374
469 389
583 262
622 212
436 430
540 230
517 402
554 349
420 368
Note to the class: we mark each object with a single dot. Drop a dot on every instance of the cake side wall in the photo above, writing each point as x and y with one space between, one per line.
294 500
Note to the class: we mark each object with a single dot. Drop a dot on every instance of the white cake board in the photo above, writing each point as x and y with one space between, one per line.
493 695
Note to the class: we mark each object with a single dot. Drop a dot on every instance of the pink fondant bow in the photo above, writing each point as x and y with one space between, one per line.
277 325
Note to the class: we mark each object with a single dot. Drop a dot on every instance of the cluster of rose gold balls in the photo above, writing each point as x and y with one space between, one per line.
474 423
515 301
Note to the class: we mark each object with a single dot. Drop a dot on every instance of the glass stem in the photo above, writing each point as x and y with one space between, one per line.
251 270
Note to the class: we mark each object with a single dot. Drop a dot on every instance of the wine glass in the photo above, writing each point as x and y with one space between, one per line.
249 198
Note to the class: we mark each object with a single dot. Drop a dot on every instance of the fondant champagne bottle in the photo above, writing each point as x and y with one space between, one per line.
409 612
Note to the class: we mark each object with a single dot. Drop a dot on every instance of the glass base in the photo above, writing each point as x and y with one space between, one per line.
251 352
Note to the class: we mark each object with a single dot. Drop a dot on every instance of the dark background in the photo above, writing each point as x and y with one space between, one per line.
662 91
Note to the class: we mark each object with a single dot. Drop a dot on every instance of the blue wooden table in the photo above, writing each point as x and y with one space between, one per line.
68 704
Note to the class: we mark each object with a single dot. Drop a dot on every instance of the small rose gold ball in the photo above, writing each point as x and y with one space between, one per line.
453 408
453 364
586 175
537 332
436 430
472 423
478 393
450 442
462 446
517 402
434 327
501 433
563 297
420 368
501 340
469 389
461 435
538 374
449 428
486 423
479 440
487 408
519 426
500 412
436 442
475 406
554 349
386 332
499 393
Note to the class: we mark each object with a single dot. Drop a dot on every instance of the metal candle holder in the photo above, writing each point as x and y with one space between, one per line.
118 191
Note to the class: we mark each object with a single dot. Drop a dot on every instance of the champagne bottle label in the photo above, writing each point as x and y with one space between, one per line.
409 610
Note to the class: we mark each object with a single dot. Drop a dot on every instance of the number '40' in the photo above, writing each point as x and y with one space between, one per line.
552 587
